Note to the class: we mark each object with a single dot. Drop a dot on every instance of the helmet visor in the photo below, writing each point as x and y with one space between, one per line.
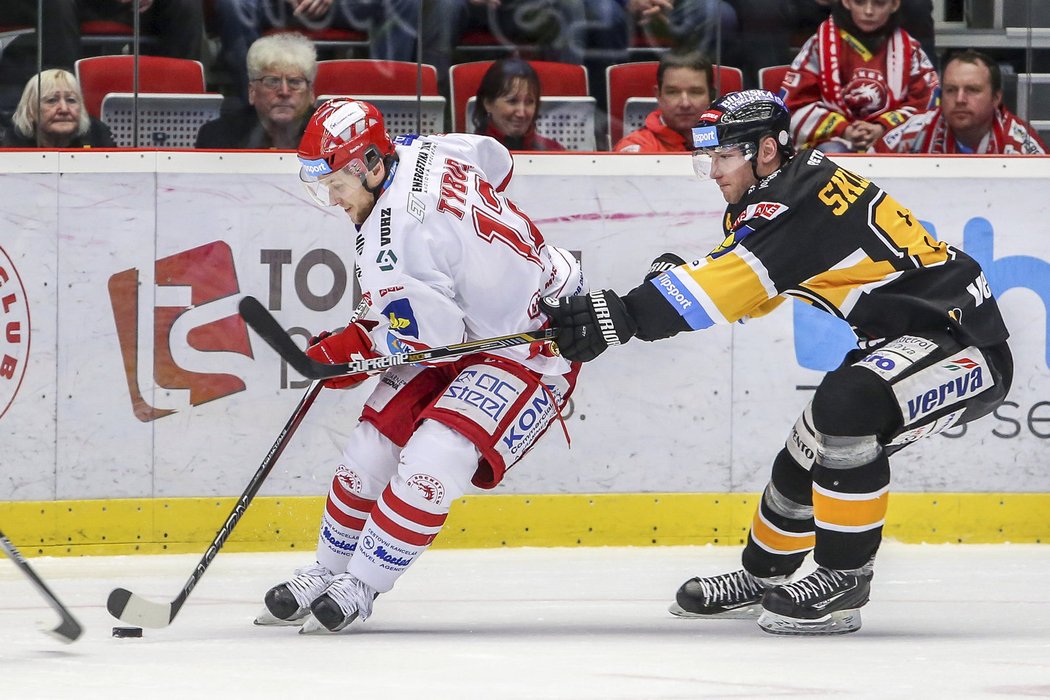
328 189
710 163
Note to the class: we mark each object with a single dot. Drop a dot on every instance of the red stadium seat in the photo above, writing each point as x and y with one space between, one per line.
352 76
328 37
772 77
638 79
556 79
99 75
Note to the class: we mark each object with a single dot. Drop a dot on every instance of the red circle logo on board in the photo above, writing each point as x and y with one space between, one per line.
14 332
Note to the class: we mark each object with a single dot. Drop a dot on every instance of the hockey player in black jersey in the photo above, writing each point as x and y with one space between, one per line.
931 354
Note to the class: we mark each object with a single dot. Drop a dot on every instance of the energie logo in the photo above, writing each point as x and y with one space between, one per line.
209 273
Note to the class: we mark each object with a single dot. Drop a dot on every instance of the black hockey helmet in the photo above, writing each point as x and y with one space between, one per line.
744 118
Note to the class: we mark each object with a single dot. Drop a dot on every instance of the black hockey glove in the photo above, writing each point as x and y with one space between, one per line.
587 325
662 264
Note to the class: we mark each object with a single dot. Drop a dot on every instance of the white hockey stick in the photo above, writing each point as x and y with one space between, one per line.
69 629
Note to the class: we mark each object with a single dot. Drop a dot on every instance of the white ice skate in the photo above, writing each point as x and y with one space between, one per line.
346 599
288 603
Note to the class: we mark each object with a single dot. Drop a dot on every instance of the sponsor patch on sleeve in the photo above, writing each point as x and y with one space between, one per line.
401 317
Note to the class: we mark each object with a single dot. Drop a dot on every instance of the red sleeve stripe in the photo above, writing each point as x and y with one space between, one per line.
354 521
506 181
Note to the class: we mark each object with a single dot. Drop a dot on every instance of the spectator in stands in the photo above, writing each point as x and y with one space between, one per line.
57 119
390 25
176 26
281 70
970 119
550 26
916 18
687 24
684 89
507 105
858 76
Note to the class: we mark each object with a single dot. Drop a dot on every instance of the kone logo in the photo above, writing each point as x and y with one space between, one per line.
209 274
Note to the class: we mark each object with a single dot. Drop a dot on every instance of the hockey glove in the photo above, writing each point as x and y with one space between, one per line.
662 264
348 345
587 325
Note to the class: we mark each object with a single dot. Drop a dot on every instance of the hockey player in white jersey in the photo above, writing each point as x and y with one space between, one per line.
444 257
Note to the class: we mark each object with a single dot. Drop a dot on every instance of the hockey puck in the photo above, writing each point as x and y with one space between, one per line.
127 631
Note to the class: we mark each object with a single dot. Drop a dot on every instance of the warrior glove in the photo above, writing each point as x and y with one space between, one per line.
662 264
348 345
587 325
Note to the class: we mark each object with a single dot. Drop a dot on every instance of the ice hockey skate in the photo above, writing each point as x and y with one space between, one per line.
346 599
826 601
288 603
732 596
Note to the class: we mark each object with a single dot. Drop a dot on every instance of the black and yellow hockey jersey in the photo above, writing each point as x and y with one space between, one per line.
820 233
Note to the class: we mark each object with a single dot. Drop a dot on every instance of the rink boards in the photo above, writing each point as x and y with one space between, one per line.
134 403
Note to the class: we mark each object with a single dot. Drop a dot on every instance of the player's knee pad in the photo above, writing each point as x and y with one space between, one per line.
854 401
851 408
438 463
369 460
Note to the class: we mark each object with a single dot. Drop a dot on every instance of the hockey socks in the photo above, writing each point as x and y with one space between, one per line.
400 528
344 517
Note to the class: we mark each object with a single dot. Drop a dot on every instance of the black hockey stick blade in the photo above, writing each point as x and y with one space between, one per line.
263 323
68 630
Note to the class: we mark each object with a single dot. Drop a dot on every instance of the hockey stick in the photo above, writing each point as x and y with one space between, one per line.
260 320
129 607
69 629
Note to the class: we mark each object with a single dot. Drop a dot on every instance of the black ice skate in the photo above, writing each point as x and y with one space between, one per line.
728 596
827 601
346 599
288 603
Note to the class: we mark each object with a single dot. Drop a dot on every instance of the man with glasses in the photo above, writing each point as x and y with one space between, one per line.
281 69
931 354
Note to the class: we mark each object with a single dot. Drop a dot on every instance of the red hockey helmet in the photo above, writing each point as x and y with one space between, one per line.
343 133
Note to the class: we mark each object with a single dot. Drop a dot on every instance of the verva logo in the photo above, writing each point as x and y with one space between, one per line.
209 273
14 332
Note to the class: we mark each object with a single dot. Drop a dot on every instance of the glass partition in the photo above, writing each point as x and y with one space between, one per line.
146 107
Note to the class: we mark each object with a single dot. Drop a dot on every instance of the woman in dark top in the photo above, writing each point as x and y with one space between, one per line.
508 101
57 119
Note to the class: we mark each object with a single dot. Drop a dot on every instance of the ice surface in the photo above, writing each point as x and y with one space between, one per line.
581 623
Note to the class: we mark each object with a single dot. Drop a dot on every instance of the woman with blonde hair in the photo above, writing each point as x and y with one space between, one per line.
51 115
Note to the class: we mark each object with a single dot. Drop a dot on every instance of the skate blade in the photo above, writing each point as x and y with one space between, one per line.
313 626
838 622
267 619
747 612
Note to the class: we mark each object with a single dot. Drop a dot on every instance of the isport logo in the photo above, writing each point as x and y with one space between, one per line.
14 332
207 273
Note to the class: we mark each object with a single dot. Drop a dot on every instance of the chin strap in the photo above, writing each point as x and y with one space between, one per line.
390 162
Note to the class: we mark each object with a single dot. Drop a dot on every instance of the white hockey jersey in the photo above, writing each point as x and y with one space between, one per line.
444 257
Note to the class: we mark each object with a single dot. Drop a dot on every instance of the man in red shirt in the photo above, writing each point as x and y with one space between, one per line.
684 83
970 119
